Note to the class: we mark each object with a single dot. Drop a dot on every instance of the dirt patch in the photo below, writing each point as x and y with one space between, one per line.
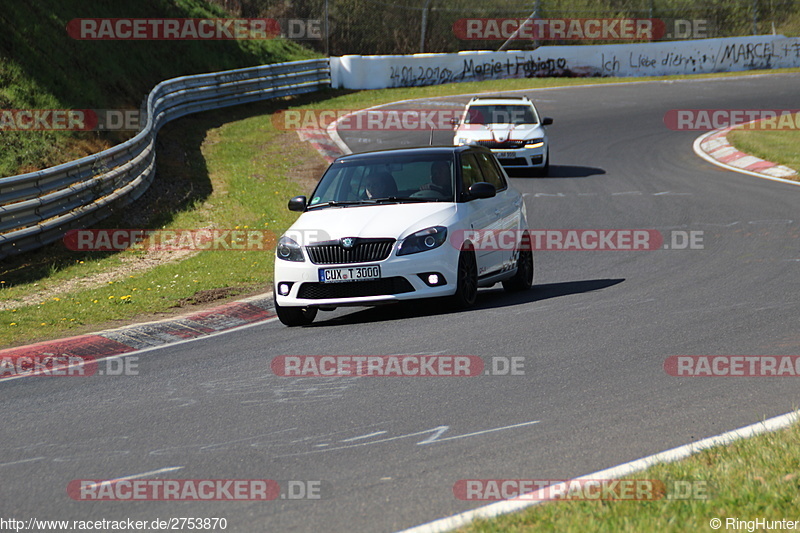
208 295
308 171
131 264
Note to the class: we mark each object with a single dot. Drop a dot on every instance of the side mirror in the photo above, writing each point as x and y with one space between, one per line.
455 121
482 190
298 203
546 121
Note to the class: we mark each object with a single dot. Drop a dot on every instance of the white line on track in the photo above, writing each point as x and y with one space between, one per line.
21 461
151 348
675 454
135 476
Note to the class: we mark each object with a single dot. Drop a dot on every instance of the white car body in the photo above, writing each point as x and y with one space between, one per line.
322 233
510 127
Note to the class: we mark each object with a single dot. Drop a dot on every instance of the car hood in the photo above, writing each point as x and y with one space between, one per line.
502 132
376 221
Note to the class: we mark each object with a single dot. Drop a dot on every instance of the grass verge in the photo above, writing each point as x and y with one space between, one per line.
225 169
239 177
755 478
779 146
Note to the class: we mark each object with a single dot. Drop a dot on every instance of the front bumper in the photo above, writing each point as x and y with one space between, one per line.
521 157
400 280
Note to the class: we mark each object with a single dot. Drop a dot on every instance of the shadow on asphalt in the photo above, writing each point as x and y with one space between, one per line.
493 298
558 172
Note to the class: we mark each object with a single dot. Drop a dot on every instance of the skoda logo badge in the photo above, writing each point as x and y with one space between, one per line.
348 242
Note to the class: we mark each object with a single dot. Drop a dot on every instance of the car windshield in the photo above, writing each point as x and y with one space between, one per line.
390 179
500 114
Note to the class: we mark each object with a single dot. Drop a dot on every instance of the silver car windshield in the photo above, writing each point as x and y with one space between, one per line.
500 114
393 179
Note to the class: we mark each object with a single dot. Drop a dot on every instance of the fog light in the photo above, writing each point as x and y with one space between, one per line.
284 288
432 279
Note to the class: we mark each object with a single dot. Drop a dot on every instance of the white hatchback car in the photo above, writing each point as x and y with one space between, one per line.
511 127
394 225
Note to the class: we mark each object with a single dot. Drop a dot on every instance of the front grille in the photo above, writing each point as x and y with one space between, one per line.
510 145
514 162
363 251
354 289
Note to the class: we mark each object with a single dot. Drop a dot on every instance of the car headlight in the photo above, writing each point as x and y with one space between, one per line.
289 250
423 240
534 143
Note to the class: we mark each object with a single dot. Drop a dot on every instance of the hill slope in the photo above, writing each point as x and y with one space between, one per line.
42 67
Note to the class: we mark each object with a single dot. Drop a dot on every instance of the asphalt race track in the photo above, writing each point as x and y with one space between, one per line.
594 332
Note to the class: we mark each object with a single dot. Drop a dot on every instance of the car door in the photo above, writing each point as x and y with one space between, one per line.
507 210
483 216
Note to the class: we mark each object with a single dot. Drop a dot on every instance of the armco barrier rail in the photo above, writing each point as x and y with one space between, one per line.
40 207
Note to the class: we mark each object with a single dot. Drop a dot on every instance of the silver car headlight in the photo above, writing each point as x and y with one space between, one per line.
289 250
423 240
534 143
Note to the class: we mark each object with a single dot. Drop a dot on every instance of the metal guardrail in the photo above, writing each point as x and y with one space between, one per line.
39 207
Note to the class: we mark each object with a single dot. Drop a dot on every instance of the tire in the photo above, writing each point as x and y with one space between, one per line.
523 279
295 316
546 168
467 280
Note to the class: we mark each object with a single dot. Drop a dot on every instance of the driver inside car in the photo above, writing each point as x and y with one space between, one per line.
440 178
380 185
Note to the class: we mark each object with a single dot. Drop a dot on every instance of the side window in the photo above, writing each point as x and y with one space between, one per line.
470 172
490 172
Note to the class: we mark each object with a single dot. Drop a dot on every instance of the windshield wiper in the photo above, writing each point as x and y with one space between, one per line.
401 200
334 203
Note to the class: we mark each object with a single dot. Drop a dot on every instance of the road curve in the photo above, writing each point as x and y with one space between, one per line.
595 332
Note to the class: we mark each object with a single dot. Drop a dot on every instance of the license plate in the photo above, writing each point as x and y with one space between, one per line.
505 155
341 275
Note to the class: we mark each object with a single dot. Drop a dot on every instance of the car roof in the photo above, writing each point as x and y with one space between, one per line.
422 150
500 100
